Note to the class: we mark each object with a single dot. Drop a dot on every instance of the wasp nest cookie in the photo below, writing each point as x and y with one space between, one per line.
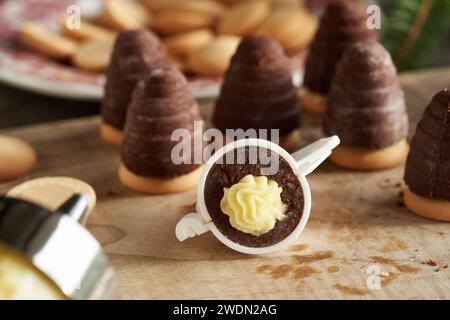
343 24
134 54
258 93
427 172
366 109
161 104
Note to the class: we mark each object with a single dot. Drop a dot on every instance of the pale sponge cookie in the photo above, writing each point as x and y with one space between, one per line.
313 102
111 135
155 185
52 192
93 55
214 58
177 21
155 5
185 43
428 208
366 159
46 42
205 6
293 27
244 18
17 158
125 15
86 31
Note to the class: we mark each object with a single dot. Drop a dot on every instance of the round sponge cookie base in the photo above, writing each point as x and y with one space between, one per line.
111 135
153 185
312 102
428 208
52 192
366 159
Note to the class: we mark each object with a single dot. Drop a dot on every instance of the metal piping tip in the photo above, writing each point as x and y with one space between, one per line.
76 206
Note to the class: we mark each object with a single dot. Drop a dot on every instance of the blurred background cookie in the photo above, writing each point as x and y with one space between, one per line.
293 27
43 40
93 55
17 158
125 15
187 42
189 30
244 17
177 21
155 5
213 59
205 6
284 3
86 31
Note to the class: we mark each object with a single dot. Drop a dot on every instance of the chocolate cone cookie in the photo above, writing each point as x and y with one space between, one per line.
258 93
366 109
135 53
161 103
427 172
343 24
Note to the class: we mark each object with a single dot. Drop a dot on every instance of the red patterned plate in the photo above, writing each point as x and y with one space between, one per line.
29 70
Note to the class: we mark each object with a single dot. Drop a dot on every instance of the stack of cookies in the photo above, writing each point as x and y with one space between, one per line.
200 35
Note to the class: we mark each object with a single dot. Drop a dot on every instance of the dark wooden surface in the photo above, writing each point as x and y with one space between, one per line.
21 108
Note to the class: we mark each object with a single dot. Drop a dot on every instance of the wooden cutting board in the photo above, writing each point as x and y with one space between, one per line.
357 226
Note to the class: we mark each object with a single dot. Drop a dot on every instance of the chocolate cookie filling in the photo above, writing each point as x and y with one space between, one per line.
257 92
161 103
135 53
427 171
343 24
366 106
226 175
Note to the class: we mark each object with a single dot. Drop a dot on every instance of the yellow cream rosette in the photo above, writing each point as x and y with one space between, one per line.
253 204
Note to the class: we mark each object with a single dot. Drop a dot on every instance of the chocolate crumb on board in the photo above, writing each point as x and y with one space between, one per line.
351 290
111 193
399 266
333 269
430 262
298 247
286 270
316 256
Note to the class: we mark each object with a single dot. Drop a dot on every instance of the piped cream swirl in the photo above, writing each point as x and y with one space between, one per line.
253 204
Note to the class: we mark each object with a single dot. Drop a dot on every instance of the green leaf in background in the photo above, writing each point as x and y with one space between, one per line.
413 29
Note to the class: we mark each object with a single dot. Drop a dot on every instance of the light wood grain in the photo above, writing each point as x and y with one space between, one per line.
356 222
